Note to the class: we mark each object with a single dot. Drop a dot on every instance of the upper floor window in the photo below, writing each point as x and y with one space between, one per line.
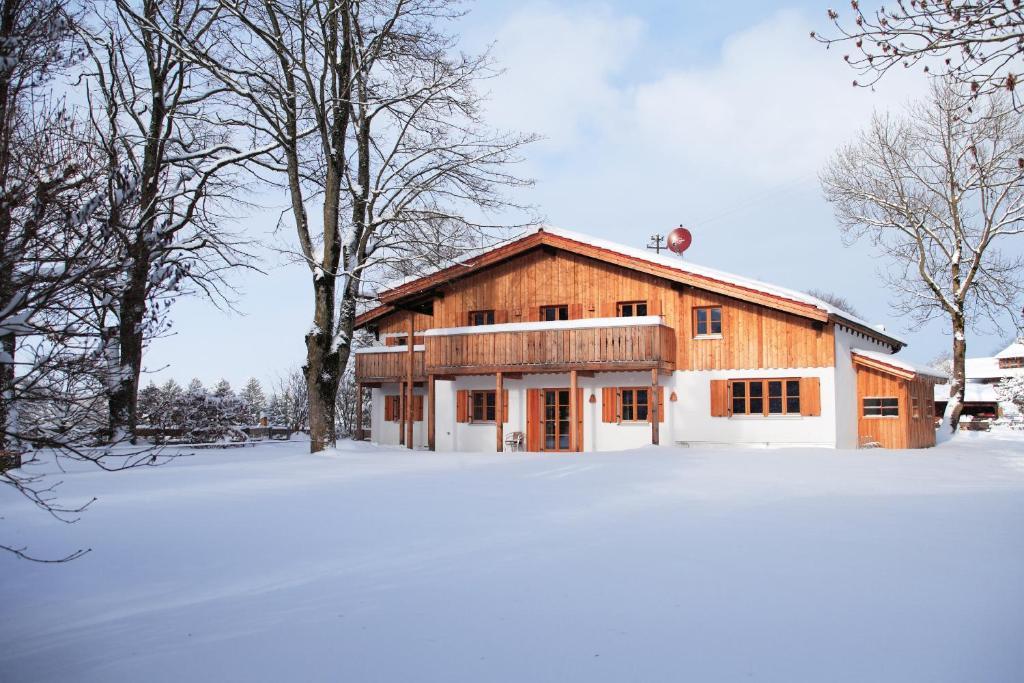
482 406
481 317
1011 362
560 312
915 407
628 309
634 404
881 407
707 320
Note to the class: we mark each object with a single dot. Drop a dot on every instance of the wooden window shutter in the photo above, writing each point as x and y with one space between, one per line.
810 396
462 405
575 311
608 404
720 398
534 427
417 409
532 314
579 419
654 307
500 316
608 309
661 406
390 341
387 408
504 405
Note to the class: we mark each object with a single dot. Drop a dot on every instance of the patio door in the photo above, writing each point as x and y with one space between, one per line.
547 419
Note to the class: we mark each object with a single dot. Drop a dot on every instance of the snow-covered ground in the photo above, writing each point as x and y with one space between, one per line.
267 564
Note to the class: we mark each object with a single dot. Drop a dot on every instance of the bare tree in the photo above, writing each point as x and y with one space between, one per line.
833 299
978 44
164 135
368 111
938 191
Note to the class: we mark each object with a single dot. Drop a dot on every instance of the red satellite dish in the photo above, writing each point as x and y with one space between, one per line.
679 240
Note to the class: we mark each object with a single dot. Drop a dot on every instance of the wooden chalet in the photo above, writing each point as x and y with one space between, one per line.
560 342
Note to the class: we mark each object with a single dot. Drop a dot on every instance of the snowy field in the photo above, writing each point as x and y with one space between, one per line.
267 564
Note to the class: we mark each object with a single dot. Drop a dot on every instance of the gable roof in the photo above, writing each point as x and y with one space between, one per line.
667 267
1014 350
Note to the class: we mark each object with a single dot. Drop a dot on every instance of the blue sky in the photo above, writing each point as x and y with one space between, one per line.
654 114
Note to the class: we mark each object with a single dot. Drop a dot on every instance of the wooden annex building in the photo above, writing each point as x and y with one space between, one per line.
559 342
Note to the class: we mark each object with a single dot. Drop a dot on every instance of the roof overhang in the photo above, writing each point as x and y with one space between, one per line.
875 363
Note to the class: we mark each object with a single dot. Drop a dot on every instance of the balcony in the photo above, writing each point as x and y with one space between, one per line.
593 345
388 364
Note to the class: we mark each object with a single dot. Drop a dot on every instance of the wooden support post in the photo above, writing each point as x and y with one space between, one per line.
652 403
411 357
431 424
499 412
573 412
359 411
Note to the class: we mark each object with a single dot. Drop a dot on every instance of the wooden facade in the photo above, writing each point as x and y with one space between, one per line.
913 425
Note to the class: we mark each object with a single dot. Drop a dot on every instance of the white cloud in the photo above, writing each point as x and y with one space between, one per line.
560 66
772 107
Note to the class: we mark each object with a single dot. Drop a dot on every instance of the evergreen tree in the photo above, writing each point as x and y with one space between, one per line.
253 402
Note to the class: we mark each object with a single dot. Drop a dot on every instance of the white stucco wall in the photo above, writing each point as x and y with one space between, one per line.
688 419
846 384
386 433
693 424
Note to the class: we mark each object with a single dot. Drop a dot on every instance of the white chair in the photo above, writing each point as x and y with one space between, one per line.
514 441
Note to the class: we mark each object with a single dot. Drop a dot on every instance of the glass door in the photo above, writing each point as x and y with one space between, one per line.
556 420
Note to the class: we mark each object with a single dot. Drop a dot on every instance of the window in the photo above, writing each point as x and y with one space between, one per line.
481 317
749 397
931 407
628 309
560 312
399 341
1011 362
707 321
915 407
482 406
881 407
635 404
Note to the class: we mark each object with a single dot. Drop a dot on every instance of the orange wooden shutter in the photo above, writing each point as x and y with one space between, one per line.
575 311
579 419
501 316
810 396
390 341
504 405
462 405
654 307
719 398
417 408
608 404
661 406
532 313
534 427
387 408
608 309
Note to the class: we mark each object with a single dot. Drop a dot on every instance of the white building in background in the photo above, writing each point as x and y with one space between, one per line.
983 374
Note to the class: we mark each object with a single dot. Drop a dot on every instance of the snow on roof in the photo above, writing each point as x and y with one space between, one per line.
988 368
973 393
677 263
900 363
1014 350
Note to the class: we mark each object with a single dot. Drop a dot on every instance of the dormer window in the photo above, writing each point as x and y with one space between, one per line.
481 318
629 309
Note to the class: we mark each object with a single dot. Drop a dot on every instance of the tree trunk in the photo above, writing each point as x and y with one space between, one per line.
322 368
958 385
125 366
8 414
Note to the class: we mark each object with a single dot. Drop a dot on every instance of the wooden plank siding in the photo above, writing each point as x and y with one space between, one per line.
904 431
603 348
753 336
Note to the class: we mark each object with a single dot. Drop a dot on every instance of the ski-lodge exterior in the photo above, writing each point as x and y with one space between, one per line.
560 342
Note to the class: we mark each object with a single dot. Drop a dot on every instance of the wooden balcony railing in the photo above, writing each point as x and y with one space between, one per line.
599 345
388 366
